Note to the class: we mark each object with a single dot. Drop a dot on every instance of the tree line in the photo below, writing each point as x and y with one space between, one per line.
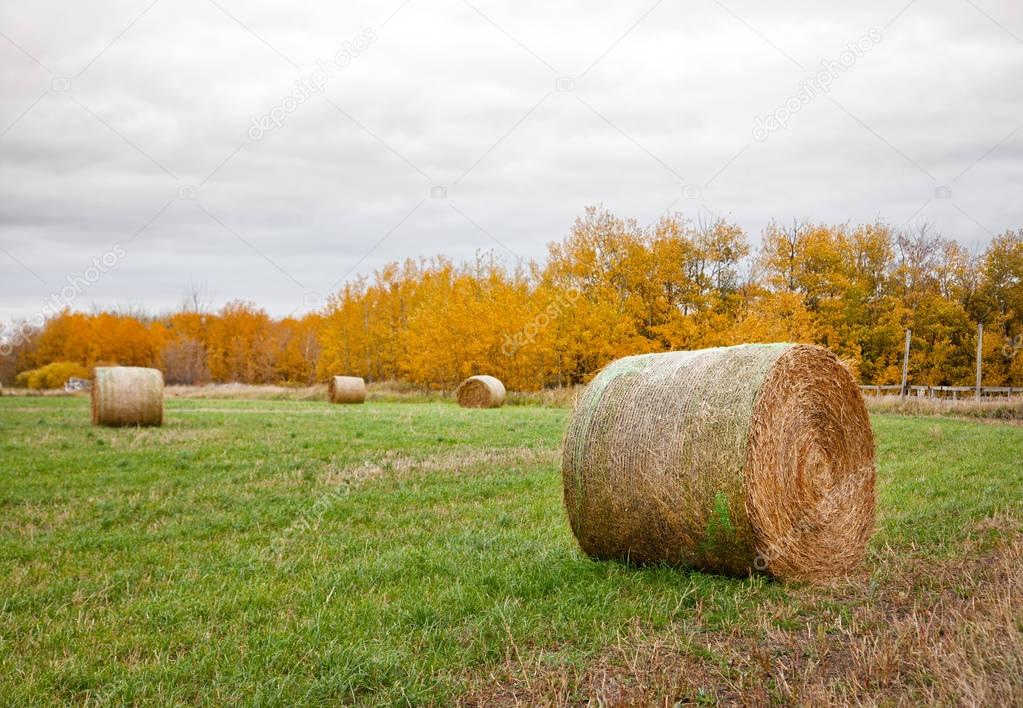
608 289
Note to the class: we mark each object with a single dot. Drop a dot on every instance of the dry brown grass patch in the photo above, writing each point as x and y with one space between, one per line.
249 392
1001 409
946 632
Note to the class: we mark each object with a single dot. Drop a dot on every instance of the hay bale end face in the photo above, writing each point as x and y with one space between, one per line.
346 389
730 460
127 395
480 392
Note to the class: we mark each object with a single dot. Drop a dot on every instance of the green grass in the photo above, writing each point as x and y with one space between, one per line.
266 552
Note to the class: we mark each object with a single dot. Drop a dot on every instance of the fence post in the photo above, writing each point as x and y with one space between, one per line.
980 351
905 364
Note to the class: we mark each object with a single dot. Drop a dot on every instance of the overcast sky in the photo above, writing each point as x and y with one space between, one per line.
135 130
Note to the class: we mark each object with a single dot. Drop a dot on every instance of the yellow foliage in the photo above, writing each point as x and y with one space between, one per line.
53 375
610 288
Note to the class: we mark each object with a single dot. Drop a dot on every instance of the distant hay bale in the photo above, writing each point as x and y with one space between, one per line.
127 395
346 389
755 457
480 392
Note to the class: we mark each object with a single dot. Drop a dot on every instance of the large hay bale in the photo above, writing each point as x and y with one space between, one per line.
346 389
755 457
480 392
127 395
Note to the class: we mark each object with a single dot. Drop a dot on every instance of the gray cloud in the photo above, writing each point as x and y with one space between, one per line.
129 122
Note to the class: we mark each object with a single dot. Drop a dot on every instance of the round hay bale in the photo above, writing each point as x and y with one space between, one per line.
480 392
127 395
730 460
346 389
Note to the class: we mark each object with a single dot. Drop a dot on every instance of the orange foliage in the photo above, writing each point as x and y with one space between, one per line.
609 289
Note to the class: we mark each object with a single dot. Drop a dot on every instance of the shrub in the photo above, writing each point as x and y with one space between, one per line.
53 375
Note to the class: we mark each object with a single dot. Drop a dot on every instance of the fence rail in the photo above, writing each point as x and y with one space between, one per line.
976 391
952 392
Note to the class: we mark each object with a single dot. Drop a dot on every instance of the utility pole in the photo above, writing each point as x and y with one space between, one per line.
980 352
905 364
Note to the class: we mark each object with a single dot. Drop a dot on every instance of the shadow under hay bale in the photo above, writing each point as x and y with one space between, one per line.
346 389
127 395
730 460
480 392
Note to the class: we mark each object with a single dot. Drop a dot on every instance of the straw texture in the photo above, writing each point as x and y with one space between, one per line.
480 392
127 395
732 460
346 389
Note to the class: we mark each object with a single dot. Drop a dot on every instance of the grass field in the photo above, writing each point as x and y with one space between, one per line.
286 552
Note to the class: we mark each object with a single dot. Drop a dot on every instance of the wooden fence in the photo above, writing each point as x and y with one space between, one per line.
952 392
